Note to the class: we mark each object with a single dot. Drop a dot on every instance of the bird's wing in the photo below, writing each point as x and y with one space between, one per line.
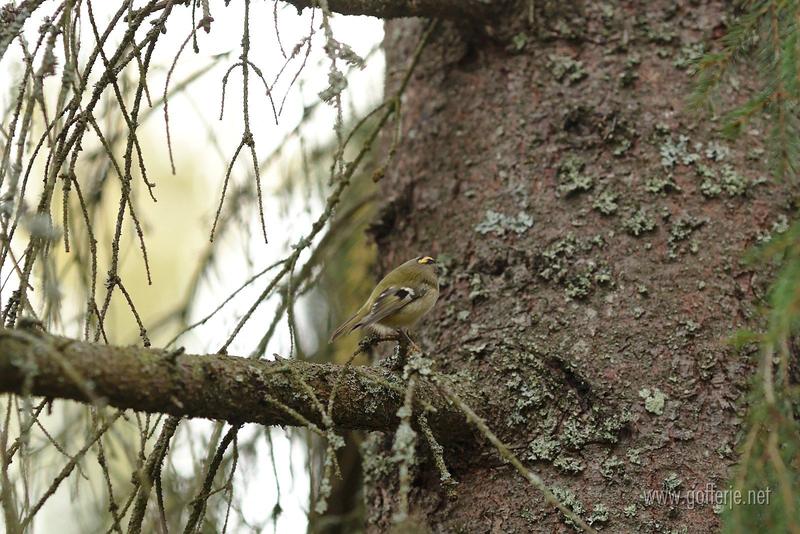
390 301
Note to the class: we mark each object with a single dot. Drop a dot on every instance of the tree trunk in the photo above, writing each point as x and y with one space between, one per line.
593 229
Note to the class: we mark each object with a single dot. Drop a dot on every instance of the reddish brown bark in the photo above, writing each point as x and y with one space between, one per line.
596 341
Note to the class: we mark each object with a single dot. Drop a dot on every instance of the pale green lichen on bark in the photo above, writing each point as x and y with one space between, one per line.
639 222
499 223
566 69
654 400
572 178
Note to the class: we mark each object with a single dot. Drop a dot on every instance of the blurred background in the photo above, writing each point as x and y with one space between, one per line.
195 280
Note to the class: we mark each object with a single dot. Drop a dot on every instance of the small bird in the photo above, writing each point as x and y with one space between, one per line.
399 300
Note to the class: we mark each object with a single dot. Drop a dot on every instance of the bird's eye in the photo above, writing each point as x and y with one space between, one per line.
426 260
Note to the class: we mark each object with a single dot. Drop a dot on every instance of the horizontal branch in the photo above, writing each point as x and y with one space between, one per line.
474 10
230 388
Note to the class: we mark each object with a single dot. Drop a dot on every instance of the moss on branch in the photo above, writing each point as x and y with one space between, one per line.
230 388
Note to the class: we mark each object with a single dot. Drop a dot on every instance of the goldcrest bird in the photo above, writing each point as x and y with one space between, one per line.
399 300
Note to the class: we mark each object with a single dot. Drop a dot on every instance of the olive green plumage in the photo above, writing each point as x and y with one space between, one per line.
399 300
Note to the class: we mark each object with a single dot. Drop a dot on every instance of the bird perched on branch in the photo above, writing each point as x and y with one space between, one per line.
399 300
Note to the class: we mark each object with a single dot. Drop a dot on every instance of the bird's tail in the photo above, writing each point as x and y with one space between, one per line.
345 328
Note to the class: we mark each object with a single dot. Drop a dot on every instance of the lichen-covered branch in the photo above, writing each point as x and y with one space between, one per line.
230 388
13 19
467 10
